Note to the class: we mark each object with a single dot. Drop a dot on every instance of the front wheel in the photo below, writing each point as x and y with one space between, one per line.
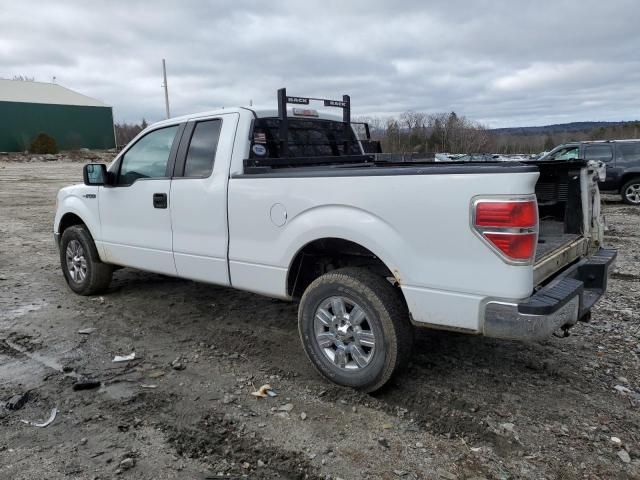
631 191
355 328
84 272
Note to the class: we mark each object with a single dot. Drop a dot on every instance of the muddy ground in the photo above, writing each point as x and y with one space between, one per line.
467 407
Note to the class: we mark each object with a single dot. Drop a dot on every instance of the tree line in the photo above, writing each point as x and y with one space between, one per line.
420 133
452 133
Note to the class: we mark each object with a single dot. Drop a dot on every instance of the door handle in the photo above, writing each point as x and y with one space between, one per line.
159 200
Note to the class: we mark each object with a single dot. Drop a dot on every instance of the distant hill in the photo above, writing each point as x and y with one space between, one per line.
559 128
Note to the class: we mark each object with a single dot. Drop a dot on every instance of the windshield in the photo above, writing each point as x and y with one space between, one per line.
307 138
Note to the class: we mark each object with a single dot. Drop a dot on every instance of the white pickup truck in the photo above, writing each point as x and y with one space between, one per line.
285 203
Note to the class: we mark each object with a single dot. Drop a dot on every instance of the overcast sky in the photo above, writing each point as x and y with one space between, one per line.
510 63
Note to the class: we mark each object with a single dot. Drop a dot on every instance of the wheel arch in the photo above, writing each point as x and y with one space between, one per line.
627 177
70 219
73 211
72 216
323 255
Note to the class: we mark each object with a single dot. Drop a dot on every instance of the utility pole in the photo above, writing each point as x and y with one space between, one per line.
166 87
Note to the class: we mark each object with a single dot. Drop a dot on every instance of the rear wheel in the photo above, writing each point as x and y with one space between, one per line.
631 192
355 328
84 272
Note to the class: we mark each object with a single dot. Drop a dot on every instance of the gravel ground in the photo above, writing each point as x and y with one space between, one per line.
467 407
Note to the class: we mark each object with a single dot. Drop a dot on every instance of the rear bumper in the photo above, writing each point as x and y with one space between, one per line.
563 301
56 238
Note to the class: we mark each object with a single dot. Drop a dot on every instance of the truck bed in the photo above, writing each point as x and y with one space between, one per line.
549 244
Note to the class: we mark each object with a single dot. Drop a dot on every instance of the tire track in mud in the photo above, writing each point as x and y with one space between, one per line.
233 451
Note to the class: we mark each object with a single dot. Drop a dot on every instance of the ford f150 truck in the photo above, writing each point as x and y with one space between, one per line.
285 203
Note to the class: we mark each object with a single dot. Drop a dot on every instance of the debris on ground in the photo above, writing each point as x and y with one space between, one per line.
287 407
178 364
87 331
145 385
86 385
264 391
124 358
49 421
446 475
17 401
624 456
622 389
128 463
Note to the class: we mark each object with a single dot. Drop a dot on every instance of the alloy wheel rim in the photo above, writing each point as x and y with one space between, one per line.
76 261
633 193
344 333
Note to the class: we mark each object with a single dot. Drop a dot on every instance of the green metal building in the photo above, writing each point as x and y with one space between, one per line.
72 119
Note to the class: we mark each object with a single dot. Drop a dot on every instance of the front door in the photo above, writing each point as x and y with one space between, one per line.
199 199
135 212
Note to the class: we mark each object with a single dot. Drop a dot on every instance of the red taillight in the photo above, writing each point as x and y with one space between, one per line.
506 214
518 246
510 226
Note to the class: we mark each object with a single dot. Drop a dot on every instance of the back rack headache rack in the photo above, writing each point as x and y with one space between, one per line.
283 99
262 165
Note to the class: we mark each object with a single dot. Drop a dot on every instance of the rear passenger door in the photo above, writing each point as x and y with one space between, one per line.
603 152
199 199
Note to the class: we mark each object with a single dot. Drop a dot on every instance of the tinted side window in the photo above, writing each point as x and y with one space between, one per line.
148 157
566 153
629 152
598 152
202 149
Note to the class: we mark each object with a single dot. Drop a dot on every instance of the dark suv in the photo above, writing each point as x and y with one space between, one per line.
622 158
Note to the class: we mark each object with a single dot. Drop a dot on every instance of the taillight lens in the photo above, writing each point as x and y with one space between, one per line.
511 226
518 246
506 214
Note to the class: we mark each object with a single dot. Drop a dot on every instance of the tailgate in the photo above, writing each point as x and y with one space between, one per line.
569 213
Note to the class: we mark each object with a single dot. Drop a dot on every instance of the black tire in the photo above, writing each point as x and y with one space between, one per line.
387 318
97 276
628 189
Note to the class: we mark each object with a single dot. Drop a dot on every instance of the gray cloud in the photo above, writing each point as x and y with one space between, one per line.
505 63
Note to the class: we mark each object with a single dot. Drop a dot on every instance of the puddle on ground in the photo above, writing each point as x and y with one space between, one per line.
21 311
28 369
18 371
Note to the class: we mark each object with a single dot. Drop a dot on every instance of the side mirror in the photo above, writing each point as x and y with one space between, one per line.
95 174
